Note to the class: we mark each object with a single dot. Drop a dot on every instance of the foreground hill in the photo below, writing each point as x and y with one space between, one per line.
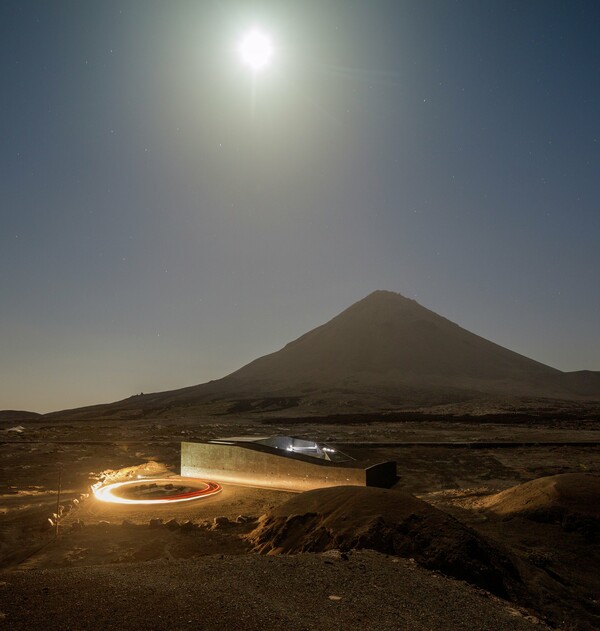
501 550
389 521
385 350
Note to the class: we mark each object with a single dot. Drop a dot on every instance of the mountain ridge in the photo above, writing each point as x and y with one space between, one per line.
385 348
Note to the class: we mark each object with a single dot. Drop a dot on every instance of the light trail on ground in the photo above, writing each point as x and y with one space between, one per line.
107 493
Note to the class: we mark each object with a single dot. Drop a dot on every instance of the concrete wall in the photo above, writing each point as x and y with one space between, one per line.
258 466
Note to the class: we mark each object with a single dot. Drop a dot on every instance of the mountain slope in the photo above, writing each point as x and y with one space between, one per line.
391 347
386 338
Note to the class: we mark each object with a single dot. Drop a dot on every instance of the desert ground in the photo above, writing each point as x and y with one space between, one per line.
441 549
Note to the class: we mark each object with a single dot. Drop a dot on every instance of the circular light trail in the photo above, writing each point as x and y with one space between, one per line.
256 50
108 493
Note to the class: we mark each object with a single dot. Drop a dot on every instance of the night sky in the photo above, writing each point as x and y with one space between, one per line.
167 216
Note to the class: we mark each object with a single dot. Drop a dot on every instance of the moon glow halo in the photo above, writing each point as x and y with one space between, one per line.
256 50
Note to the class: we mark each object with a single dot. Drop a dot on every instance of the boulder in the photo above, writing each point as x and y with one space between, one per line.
188 525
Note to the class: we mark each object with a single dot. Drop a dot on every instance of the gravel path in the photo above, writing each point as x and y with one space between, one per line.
362 591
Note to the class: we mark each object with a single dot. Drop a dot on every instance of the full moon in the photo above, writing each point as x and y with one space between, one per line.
256 50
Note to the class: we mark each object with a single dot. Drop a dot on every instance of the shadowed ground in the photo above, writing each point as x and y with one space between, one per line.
250 593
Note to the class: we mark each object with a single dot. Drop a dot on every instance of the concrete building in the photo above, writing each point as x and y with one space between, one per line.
279 462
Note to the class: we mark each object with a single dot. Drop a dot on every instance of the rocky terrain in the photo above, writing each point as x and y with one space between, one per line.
461 508
363 591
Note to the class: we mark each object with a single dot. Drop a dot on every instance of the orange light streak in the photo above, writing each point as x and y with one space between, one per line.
107 493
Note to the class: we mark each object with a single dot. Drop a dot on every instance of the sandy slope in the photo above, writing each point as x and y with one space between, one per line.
570 497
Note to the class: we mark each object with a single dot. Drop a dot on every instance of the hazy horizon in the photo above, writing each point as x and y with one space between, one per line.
165 221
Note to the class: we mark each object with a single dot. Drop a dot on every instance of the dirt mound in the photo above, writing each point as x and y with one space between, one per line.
389 521
147 469
569 499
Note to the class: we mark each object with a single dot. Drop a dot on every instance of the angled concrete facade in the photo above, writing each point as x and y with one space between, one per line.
260 465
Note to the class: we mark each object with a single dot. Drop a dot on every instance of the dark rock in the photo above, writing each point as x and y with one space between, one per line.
243 519
188 525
